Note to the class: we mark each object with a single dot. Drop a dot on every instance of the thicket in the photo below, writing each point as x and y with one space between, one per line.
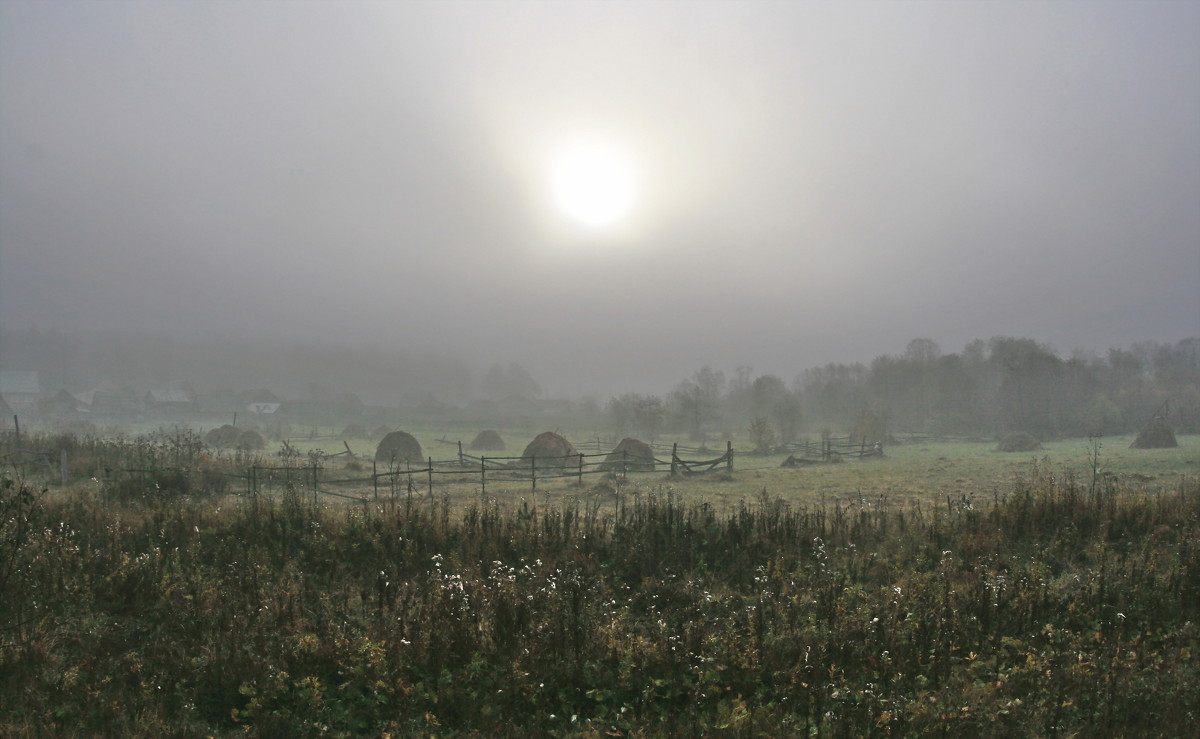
1065 607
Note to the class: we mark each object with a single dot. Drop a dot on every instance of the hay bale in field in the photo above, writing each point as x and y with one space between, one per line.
399 447
633 455
355 431
1020 442
550 451
487 441
1156 435
252 440
224 437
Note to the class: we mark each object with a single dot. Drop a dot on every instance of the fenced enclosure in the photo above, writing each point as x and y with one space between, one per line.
831 448
182 464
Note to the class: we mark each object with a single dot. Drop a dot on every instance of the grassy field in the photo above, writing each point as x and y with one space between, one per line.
941 590
909 472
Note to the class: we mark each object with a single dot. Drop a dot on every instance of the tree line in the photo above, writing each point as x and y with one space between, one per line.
990 387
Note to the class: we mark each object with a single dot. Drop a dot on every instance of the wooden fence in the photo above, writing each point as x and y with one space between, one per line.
316 478
831 448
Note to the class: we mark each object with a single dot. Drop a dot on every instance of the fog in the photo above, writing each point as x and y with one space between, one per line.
814 182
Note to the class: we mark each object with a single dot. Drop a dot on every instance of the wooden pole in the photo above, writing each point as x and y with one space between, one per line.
460 454
533 471
431 478
581 468
674 458
375 479
17 426
729 455
482 476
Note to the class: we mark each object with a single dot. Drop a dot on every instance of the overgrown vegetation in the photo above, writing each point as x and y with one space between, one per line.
1064 607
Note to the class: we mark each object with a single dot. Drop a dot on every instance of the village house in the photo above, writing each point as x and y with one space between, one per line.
173 403
21 390
263 403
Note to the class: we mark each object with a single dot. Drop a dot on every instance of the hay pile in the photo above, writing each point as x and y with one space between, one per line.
251 440
633 455
1156 435
224 437
550 451
399 447
1019 443
487 441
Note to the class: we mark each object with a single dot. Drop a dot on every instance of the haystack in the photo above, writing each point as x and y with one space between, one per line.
252 440
550 450
1020 442
632 455
487 441
224 437
1156 435
399 447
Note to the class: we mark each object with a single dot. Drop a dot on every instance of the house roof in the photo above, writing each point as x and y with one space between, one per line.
263 396
169 396
19 381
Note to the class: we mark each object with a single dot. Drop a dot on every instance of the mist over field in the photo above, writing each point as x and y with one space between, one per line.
467 368
372 196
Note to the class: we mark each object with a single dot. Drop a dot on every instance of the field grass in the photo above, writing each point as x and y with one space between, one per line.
941 590
909 472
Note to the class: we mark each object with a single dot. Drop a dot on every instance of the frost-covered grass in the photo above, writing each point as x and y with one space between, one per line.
1054 601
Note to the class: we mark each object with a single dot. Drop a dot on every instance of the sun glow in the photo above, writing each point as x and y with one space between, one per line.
593 182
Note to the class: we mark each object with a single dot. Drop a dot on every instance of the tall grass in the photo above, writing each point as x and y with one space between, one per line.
1062 607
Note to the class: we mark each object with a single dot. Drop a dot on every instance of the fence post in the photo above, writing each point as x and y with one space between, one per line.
729 455
460 454
431 478
674 457
375 479
482 476
533 471
624 463
581 468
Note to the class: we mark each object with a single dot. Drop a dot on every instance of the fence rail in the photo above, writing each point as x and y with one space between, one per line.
188 469
315 477
830 448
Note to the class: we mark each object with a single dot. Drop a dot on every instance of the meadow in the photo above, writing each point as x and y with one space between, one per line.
943 589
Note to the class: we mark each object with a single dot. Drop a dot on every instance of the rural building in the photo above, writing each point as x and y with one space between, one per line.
21 390
6 414
170 402
263 403
64 405
109 399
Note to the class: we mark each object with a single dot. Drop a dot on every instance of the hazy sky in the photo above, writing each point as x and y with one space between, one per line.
809 182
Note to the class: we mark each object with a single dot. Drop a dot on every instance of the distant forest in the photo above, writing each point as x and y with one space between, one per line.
990 387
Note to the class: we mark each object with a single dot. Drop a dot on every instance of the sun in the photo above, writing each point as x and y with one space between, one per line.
593 182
